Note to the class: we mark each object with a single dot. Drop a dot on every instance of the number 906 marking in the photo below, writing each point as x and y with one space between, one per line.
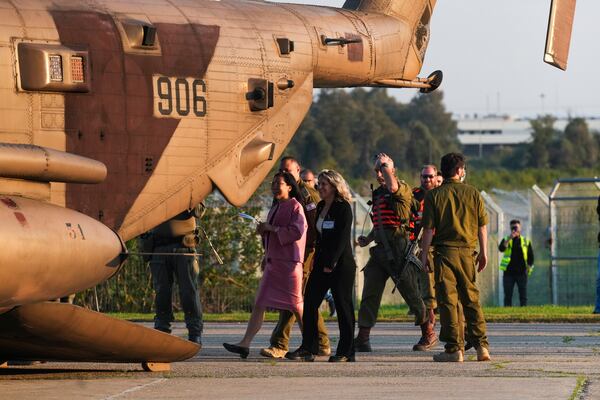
179 97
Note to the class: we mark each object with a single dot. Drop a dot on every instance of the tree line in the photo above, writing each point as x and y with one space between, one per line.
345 129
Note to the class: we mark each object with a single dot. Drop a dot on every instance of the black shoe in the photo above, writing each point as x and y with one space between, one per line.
337 358
362 347
300 355
196 339
242 351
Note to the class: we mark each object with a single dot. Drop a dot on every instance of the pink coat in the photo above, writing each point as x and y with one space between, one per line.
281 284
288 243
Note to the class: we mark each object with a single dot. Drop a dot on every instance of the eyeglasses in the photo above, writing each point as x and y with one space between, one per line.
514 228
427 176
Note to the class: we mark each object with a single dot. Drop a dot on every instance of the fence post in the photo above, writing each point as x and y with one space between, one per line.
493 206
553 245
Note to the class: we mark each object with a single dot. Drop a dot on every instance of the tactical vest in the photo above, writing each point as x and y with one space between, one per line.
507 253
384 213
416 215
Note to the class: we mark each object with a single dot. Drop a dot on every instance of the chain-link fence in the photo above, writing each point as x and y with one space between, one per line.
561 223
573 245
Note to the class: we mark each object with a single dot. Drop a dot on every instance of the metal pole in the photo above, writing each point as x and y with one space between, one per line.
496 209
553 245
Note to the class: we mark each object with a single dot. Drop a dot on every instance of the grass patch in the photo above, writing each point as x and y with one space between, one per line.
499 365
567 339
548 314
579 388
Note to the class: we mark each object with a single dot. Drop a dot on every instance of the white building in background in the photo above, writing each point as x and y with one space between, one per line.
482 135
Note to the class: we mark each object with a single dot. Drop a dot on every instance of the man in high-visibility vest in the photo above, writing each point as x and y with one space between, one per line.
517 263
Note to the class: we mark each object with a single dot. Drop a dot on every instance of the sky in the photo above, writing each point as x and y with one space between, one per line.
491 54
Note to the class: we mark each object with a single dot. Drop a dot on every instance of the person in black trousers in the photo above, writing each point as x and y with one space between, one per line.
334 268
517 263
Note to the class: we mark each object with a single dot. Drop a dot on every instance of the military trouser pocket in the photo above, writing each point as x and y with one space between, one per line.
437 266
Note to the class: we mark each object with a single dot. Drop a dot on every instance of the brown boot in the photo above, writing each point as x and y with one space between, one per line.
428 336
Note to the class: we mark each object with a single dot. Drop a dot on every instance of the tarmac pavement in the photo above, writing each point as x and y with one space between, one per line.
529 361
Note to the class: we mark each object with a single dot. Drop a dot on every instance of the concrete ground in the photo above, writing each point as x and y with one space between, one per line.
529 361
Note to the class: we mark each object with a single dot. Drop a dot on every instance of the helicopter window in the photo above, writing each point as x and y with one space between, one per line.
422 33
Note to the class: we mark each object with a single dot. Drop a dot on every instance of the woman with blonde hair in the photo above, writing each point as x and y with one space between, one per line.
334 268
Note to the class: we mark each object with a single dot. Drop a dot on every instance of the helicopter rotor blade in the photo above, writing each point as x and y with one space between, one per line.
558 38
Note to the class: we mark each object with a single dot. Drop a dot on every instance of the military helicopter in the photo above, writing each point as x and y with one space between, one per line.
116 116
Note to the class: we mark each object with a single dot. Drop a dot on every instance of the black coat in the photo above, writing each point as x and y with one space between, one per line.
334 247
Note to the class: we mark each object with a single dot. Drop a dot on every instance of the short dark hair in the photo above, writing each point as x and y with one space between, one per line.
288 158
450 163
515 221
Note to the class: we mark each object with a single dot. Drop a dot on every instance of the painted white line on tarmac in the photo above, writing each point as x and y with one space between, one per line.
134 389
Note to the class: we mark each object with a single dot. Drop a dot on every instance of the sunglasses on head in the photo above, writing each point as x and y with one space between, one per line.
427 176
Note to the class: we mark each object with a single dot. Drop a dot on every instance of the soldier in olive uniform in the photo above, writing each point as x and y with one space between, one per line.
176 235
391 213
456 212
280 338
426 280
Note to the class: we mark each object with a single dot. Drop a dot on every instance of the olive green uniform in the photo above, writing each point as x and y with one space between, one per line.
426 279
456 211
377 270
280 338
426 284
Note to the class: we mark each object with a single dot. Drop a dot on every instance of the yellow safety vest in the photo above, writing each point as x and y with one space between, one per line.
506 258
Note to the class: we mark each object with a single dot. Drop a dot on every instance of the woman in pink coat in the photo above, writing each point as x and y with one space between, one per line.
284 237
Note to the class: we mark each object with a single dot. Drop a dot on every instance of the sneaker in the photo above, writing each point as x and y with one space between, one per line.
456 356
483 354
324 351
362 346
273 352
